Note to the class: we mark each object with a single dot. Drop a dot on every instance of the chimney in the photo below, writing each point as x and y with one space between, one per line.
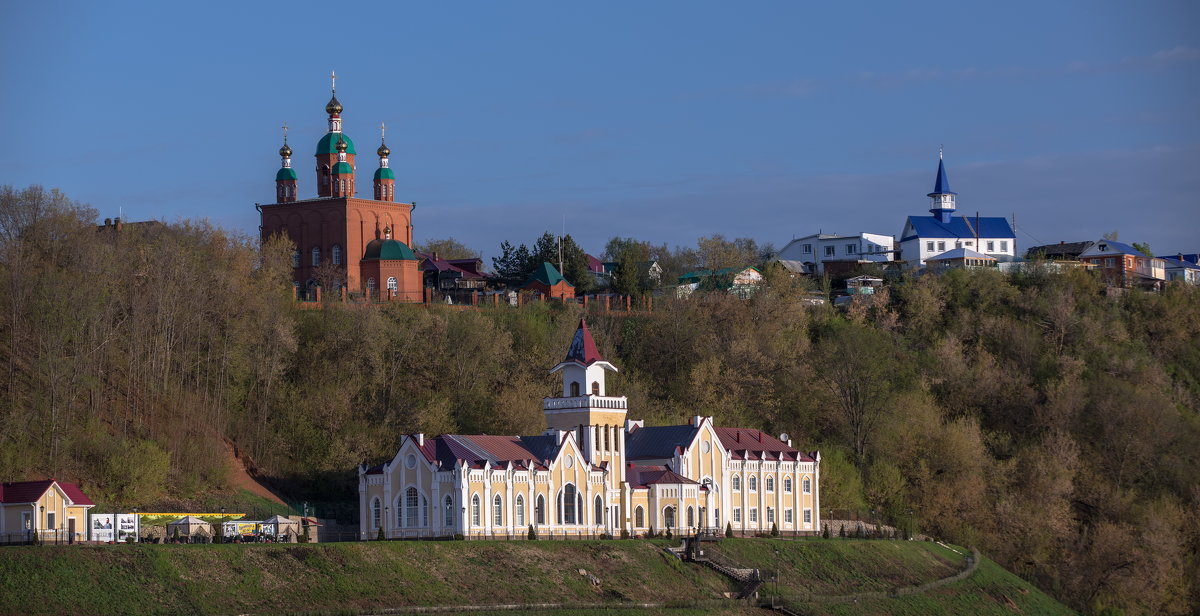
737 436
420 439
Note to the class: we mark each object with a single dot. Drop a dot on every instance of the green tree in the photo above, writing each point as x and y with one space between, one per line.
446 248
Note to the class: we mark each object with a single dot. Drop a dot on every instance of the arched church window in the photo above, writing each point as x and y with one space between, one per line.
411 502
392 285
737 483
371 284
316 256
639 517
520 506
770 484
539 510
691 517
497 511
574 389
475 510
595 388
599 513
375 513
449 513
567 505
807 486
335 254
296 257
669 517
753 483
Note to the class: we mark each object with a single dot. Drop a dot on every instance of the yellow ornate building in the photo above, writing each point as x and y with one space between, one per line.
592 472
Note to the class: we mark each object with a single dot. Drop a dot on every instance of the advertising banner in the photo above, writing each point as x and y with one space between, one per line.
102 527
245 529
127 526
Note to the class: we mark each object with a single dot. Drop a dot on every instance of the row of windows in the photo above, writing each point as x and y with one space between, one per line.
752 484
391 283
941 245
385 191
787 515
335 256
851 249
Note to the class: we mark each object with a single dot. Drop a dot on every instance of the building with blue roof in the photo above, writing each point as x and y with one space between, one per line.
928 236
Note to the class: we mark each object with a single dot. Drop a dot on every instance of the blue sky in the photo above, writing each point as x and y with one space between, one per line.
664 121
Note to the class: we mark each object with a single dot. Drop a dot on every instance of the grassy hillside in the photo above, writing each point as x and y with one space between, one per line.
847 566
266 579
353 578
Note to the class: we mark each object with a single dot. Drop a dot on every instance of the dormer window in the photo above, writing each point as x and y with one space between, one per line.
575 389
595 388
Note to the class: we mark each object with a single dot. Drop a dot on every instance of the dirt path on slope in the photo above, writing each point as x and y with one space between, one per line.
239 476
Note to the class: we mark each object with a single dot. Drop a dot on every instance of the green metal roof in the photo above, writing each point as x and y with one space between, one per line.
328 144
384 173
388 250
286 173
342 168
547 275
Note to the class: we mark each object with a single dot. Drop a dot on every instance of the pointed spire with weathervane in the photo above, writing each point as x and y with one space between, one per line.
943 198
285 179
385 179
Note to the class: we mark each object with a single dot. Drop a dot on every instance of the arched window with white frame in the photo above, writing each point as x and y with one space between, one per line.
497 511
787 485
568 505
335 254
475 510
669 517
412 500
316 255
539 510
639 517
375 513
807 485
753 483
691 517
737 483
449 513
598 514
770 484
295 257
392 285
520 510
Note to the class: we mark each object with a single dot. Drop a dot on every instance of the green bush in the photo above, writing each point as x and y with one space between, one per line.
728 530
532 534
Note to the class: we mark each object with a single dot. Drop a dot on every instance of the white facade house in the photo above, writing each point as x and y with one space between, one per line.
928 236
815 250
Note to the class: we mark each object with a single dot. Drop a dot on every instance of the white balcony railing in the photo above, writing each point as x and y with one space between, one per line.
585 402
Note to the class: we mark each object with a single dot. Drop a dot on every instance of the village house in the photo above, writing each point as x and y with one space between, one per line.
835 254
592 472
48 510
546 280
1122 265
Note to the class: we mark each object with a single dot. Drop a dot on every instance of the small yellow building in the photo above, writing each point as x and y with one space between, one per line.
592 472
49 510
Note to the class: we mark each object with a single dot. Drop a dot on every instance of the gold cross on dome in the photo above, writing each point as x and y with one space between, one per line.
382 131
285 132
333 80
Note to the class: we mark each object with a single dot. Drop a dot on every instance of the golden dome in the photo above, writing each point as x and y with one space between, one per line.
341 145
383 150
285 151
334 107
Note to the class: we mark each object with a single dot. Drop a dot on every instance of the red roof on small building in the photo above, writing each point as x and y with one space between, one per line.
31 491
643 476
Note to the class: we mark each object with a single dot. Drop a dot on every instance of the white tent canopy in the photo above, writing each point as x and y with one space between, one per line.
190 526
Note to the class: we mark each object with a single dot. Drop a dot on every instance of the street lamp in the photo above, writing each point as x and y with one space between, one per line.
385 519
776 596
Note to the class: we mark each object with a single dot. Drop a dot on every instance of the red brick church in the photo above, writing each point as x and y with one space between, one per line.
366 240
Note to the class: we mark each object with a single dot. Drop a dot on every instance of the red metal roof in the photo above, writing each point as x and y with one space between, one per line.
31 491
746 444
642 476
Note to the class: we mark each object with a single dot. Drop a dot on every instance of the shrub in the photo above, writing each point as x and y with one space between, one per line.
729 530
458 537
624 533
668 532
825 531
532 534
842 531
380 536
774 529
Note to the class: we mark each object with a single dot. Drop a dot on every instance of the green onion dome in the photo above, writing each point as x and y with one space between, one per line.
343 168
384 173
286 173
328 144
